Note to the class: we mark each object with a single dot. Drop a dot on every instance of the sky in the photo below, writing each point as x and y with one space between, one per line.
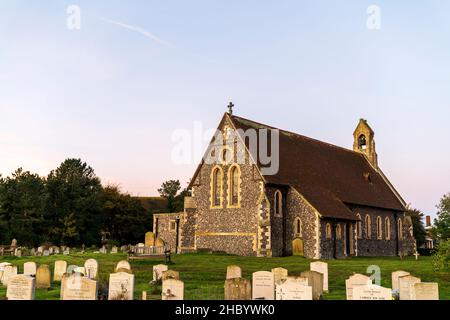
114 91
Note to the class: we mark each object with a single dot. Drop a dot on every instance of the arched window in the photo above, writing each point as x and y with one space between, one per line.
234 180
362 144
368 227
387 228
400 229
298 227
379 228
216 187
359 226
328 231
278 203
338 232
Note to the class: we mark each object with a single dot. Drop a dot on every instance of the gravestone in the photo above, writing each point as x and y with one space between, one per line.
149 239
354 281
141 245
91 267
40 249
66 251
55 250
81 270
71 269
114 249
172 289
371 292
18 253
46 253
395 276
299 280
60 269
158 271
315 280
43 277
123 264
121 286
170 274
280 275
159 242
321 267
77 287
238 289
263 285
103 250
32 252
123 248
405 284
21 287
422 291
2 269
50 250
29 268
8 272
234 272
294 289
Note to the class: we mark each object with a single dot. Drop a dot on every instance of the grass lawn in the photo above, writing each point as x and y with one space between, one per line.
204 274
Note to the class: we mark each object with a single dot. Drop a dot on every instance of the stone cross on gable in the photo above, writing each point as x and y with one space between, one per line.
230 108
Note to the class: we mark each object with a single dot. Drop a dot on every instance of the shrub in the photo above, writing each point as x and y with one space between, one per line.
441 256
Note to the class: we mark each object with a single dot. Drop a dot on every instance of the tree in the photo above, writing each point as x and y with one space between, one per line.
74 204
169 190
418 227
441 226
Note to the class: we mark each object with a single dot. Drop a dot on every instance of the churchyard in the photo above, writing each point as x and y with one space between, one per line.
205 276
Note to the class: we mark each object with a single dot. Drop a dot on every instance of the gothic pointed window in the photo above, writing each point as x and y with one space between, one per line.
216 187
234 177
338 232
368 227
278 203
328 231
387 227
379 228
400 229
298 227
359 226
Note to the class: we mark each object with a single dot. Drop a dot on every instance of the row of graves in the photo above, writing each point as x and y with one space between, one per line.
80 283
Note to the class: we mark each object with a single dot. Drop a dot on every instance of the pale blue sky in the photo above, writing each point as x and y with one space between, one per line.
113 96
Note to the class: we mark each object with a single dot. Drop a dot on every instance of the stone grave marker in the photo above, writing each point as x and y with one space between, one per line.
158 271
81 270
8 272
321 267
18 252
123 264
172 289
29 268
43 277
21 287
77 287
103 250
66 251
405 286
395 276
315 280
263 285
170 274
371 292
32 252
238 289
2 269
299 280
423 291
46 253
40 249
354 281
60 269
294 289
149 239
91 267
280 275
50 250
114 249
56 250
121 286
234 272
71 269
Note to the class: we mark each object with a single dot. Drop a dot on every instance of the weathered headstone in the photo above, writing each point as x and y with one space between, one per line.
315 280
77 287
280 275
294 289
21 287
114 249
263 285
103 250
123 248
158 271
121 286
234 272
18 253
80 270
46 253
29 268
32 252
405 286
149 239
355 281
71 269
395 276
170 274
321 267
424 291
60 269
123 264
43 277
238 289
66 251
371 292
172 289
8 272
40 249
91 266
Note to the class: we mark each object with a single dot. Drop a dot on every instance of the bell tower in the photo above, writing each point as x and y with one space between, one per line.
363 141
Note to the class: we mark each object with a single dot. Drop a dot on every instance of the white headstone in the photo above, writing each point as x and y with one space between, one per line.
29 268
263 285
158 271
8 272
121 286
77 287
91 266
395 276
425 291
371 292
172 289
321 267
123 264
46 253
405 286
355 281
280 275
293 290
21 287
60 269
234 272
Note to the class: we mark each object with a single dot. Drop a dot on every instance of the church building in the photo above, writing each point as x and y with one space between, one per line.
322 201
